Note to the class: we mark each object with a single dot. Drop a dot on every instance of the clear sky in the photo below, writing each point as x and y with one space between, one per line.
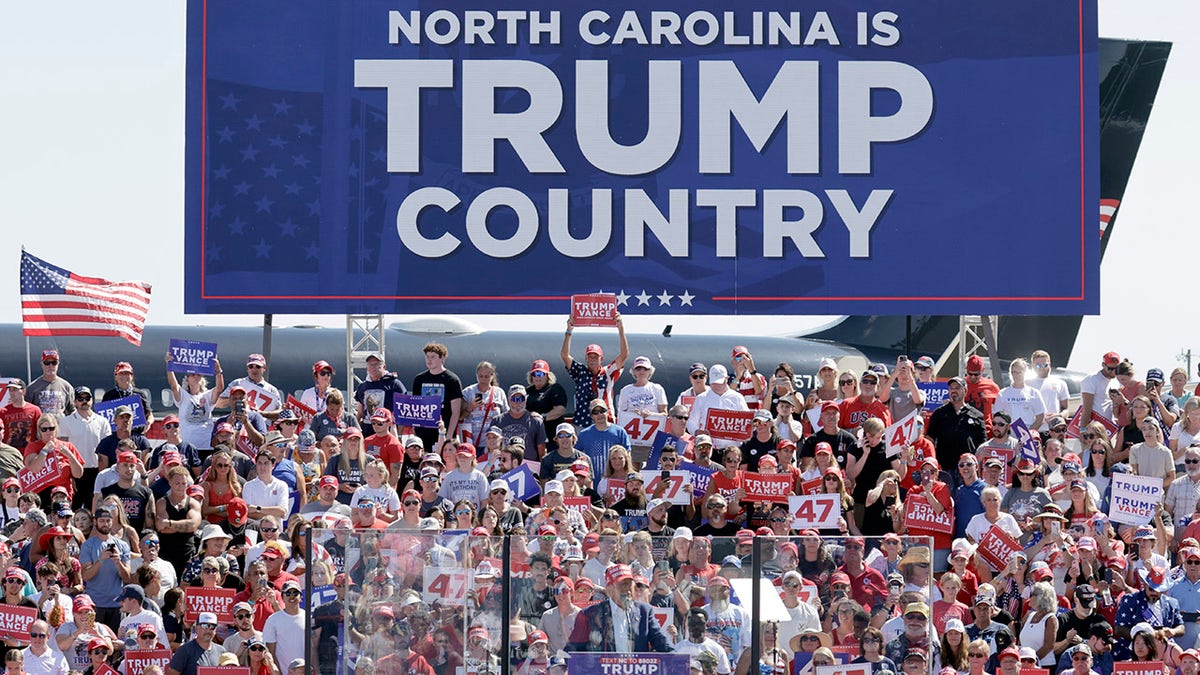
91 173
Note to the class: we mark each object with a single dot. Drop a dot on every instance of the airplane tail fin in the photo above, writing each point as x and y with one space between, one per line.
1130 73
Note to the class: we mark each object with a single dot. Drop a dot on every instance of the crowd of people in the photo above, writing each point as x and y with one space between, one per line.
400 546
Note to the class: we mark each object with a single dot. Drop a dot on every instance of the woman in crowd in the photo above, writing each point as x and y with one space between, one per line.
992 516
1178 380
617 467
954 644
73 637
847 385
483 403
1082 507
1025 499
816 564
348 466
314 396
121 529
1186 430
870 650
978 652
1097 463
773 658
464 515
195 402
1013 584
221 485
258 658
783 384
546 397
1131 433
834 483
1040 627
56 543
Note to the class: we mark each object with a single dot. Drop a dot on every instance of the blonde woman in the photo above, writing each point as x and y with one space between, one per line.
195 402
619 464
377 490
1040 627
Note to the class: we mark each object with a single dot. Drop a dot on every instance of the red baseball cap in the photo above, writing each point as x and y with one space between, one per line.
540 365
974 362
171 419
127 458
327 481
1112 359
823 447
830 405
785 443
594 349
238 511
739 350
123 367
839 578
617 573
322 365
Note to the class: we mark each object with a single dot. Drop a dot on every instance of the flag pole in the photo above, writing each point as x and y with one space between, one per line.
28 363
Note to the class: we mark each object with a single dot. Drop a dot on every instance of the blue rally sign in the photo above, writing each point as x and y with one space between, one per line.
686 156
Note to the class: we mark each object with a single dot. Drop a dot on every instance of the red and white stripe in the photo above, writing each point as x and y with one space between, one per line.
90 307
1108 207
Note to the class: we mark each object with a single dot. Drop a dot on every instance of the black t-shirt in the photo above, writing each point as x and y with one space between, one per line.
1068 620
542 401
877 462
108 446
754 450
843 442
372 394
135 499
723 542
445 385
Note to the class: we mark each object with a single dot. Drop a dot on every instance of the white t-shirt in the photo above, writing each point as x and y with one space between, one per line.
1053 390
51 662
1024 403
1098 385
1182 438
634 397
85 435
730 400
1152 461
195 418
492 403
287 632
258 493
979 526
131 623
384 496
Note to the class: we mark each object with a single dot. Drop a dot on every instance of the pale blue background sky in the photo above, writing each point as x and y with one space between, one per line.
91 172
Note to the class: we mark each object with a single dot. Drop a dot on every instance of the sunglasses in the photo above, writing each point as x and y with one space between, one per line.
1191 461
242 615
698 376
779 520
977 656
599 411
49 363
268 529
969 374
209 570
147 636
39 635
291 593
99 651
294 422
14 490
562 435
682 418
325 373
412 502
499 492
258 648
809 638
845 382
254 366
212 626
46 428
463 512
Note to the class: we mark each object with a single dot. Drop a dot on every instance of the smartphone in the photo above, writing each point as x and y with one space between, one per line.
666 475
1055 527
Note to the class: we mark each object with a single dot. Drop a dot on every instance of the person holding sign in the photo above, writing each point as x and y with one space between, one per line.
593 380
51 462
718 397
937 496
261 396
123 378
195 402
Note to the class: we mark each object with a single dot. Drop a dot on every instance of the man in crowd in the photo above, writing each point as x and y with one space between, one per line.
594 379
284 631
261 395
200 650
106 450
377 391
436 380
955 428
1099 641
84 429
595 441
981 391
855 411
720 396
51 393
104 566
19 416
563 456
842 444
1094 395
521 423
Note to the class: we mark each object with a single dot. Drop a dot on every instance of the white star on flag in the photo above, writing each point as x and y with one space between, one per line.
686 299
665 299
643 299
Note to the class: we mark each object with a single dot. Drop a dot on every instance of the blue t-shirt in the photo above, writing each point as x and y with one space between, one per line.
595 444
106 585
967 505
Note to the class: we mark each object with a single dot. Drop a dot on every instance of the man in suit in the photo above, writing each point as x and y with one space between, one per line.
620 623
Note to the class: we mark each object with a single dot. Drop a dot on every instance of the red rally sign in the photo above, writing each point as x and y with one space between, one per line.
729 425
767 487
594 309
219 601
136 660
52 469
15 622
996 546
919 515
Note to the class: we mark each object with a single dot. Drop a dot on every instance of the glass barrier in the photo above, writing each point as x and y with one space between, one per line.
630 604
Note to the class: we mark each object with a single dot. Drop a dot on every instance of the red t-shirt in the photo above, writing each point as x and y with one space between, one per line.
19 424
386 447
726 487
64 479
982 396
854 412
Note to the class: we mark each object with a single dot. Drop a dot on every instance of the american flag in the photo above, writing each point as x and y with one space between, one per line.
55 301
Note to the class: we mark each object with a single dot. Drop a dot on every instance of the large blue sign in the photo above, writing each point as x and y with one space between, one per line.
690 157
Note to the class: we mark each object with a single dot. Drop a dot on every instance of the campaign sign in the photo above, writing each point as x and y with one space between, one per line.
136 660
1005 455
223 670
688 157
1029 445
902 433
729 425
581 505
802 662
305 413
15 621
661 440
219 601
642 663
445 585
1135 499
1073 427
1035 671
678 485
919 515
701 477
811 487
412 410
108 410
594 309
319 596
936 393
192 356
996 547
36 481
815 511
1138 668
615 492
106 669
664 616
641 430
767 487
522 483
845 668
